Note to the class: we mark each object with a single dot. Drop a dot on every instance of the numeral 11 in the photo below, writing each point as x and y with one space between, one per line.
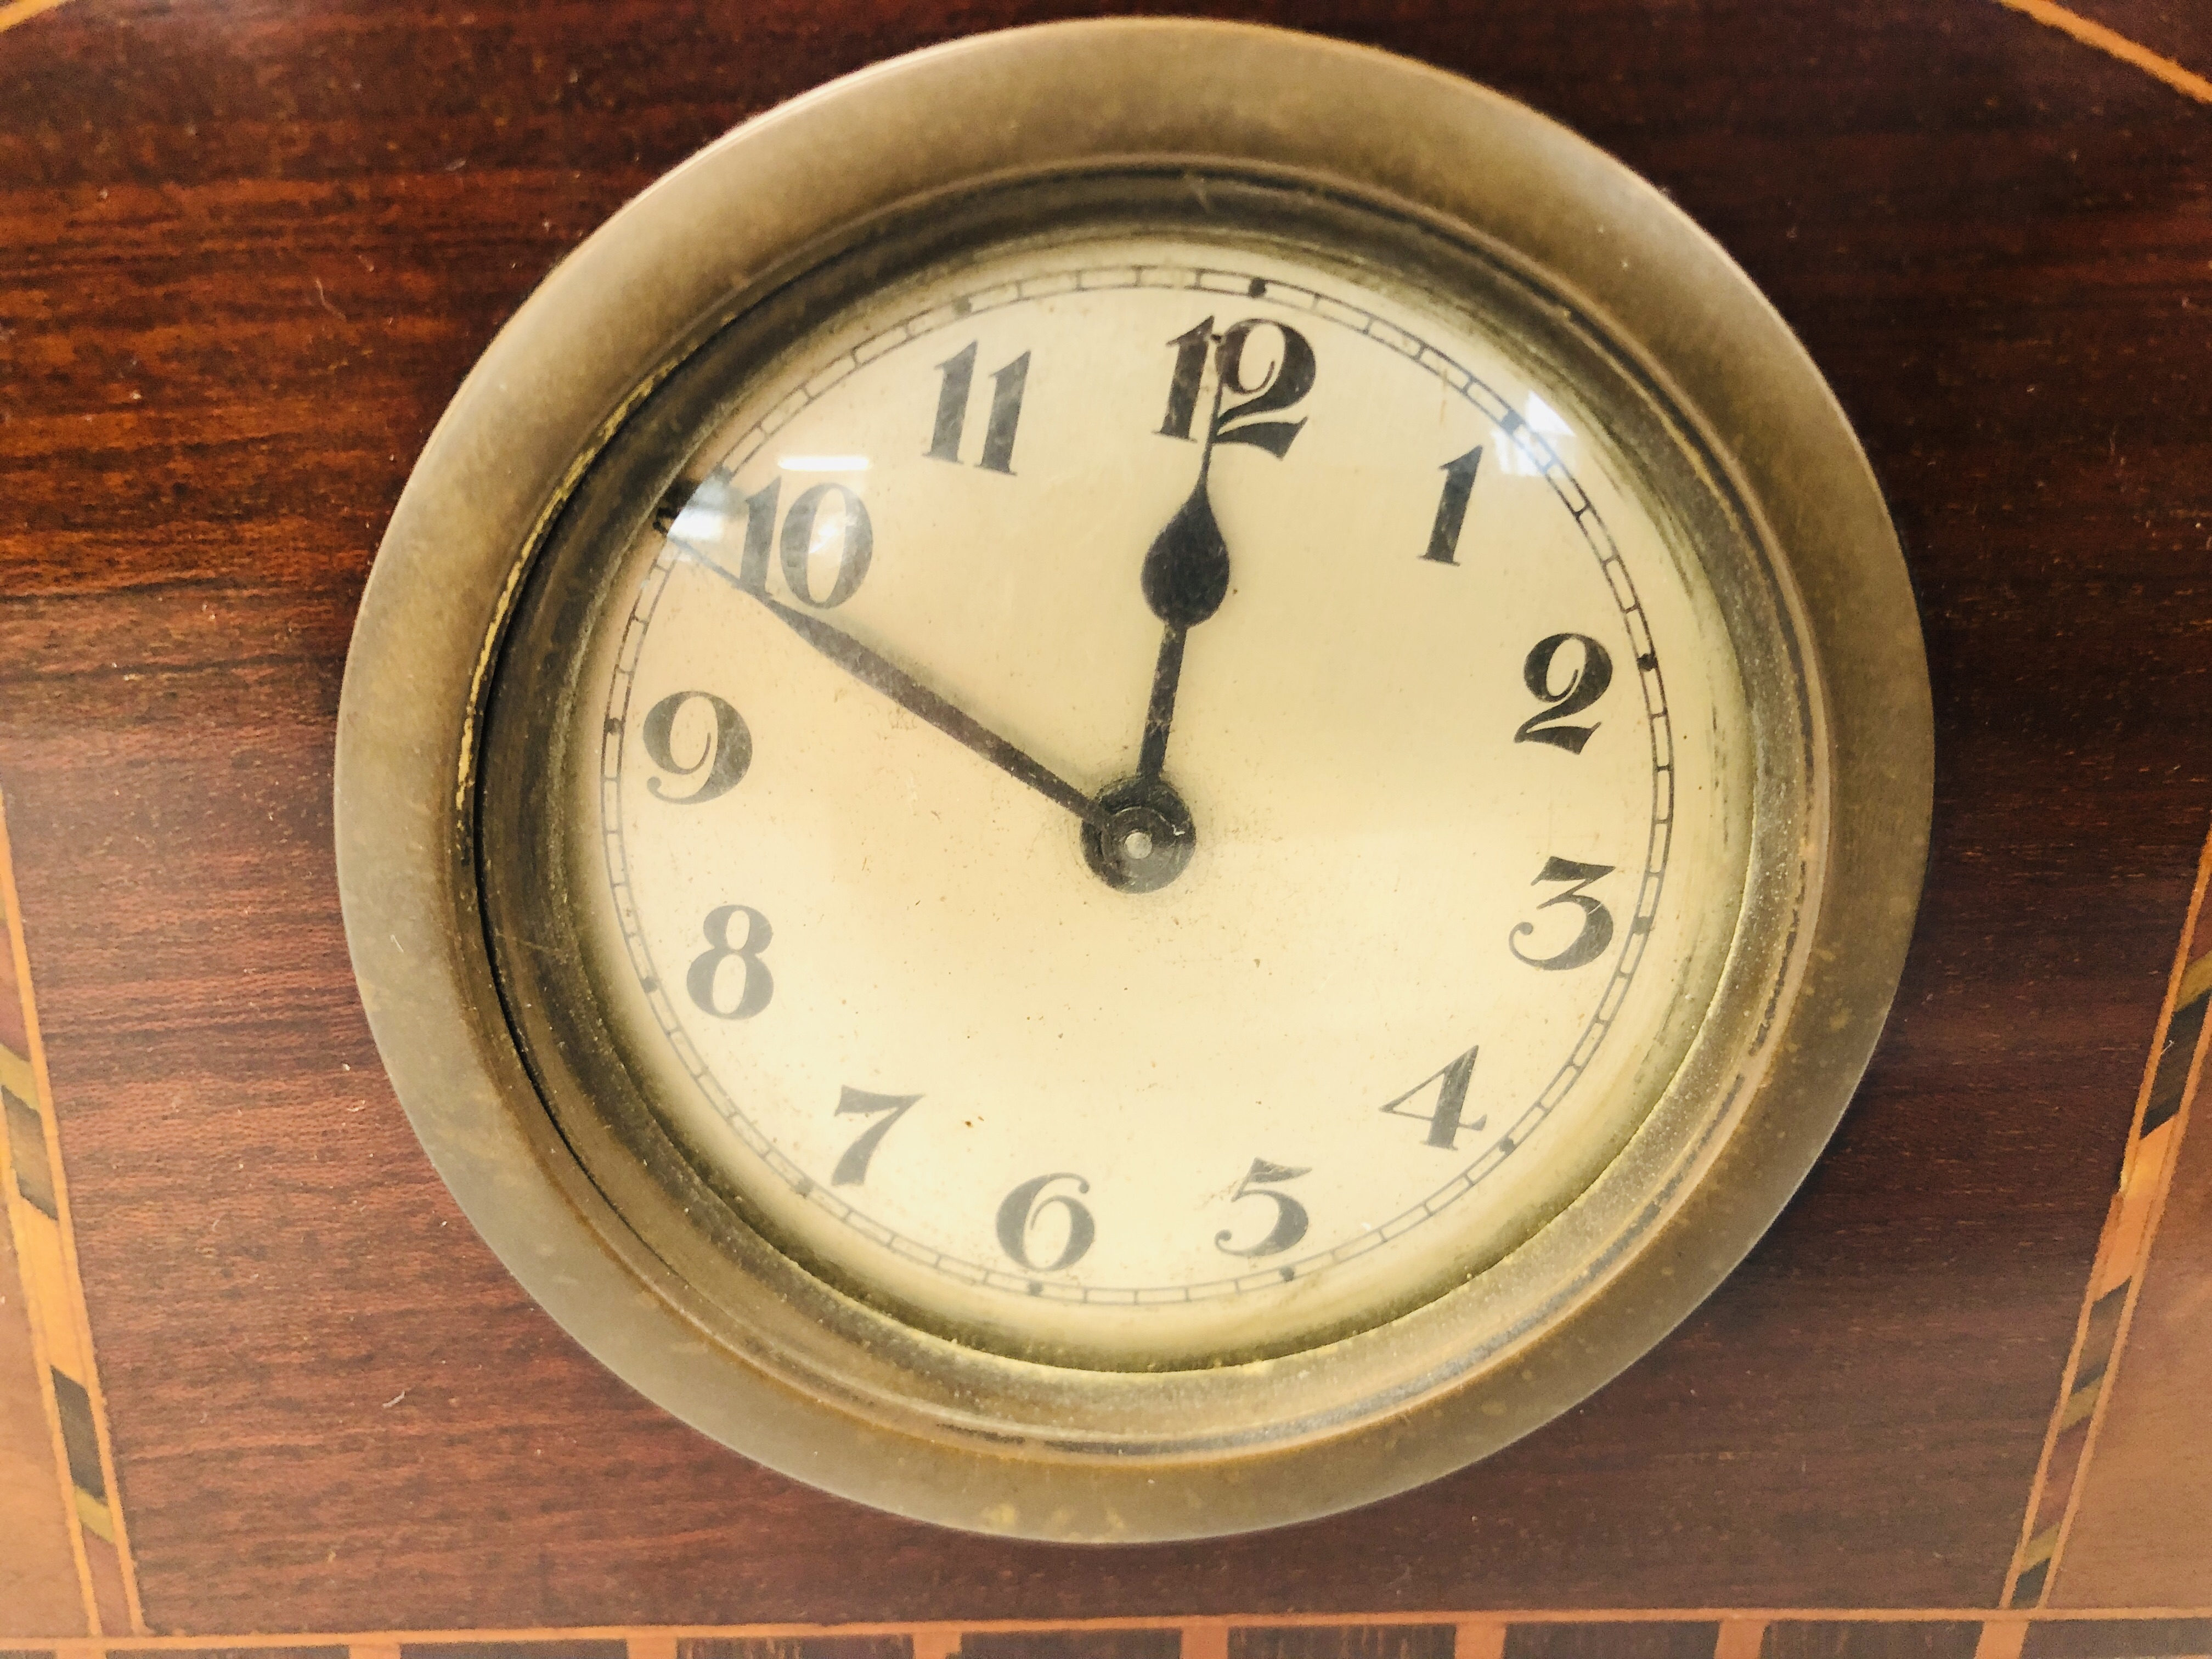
1006 385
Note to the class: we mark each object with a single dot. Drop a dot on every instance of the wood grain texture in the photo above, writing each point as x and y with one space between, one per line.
248 251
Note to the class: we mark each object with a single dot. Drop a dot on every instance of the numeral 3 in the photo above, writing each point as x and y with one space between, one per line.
1597 922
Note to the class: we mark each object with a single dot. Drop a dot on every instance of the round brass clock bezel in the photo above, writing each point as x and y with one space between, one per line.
712 1321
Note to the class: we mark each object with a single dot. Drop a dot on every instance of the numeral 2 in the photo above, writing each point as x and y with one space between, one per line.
1597 922
1006 386
1584 687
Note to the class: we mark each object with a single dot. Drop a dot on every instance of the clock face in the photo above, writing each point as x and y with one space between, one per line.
1145 800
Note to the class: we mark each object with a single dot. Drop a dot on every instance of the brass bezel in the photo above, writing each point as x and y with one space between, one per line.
754 1350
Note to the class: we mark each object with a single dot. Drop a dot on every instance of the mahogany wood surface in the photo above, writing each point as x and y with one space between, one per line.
248 251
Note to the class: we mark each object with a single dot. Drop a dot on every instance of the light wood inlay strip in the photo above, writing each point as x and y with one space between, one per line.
22 11
2131 1223
2189 83
54 1291
2002 1634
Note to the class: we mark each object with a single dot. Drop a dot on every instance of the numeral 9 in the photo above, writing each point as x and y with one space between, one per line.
724 754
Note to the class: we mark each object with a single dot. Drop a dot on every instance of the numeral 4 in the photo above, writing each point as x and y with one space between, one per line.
1443 1122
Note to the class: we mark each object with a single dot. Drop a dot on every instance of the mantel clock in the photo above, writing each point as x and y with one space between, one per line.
1133 780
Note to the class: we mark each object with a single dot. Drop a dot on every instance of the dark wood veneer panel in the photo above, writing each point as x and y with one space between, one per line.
1627 1639
796 1647
1344 1641
2117 1639
245 256
1071 1645
1862 1639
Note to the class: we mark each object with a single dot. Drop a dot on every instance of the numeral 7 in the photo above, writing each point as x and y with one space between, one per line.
853 1168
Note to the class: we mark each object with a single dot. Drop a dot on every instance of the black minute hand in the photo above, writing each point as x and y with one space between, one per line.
911 693
1185 578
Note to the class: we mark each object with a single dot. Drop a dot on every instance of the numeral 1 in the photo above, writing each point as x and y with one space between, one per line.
1007 387
1191 347
1451 507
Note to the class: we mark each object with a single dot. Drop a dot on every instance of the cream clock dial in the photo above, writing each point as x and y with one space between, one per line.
1157 798
1133 819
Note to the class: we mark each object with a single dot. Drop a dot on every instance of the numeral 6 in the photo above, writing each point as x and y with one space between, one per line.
1019 1214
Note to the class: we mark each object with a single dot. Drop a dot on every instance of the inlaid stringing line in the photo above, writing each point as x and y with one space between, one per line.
37 1201
2161 1111
1739 1632
2112 43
